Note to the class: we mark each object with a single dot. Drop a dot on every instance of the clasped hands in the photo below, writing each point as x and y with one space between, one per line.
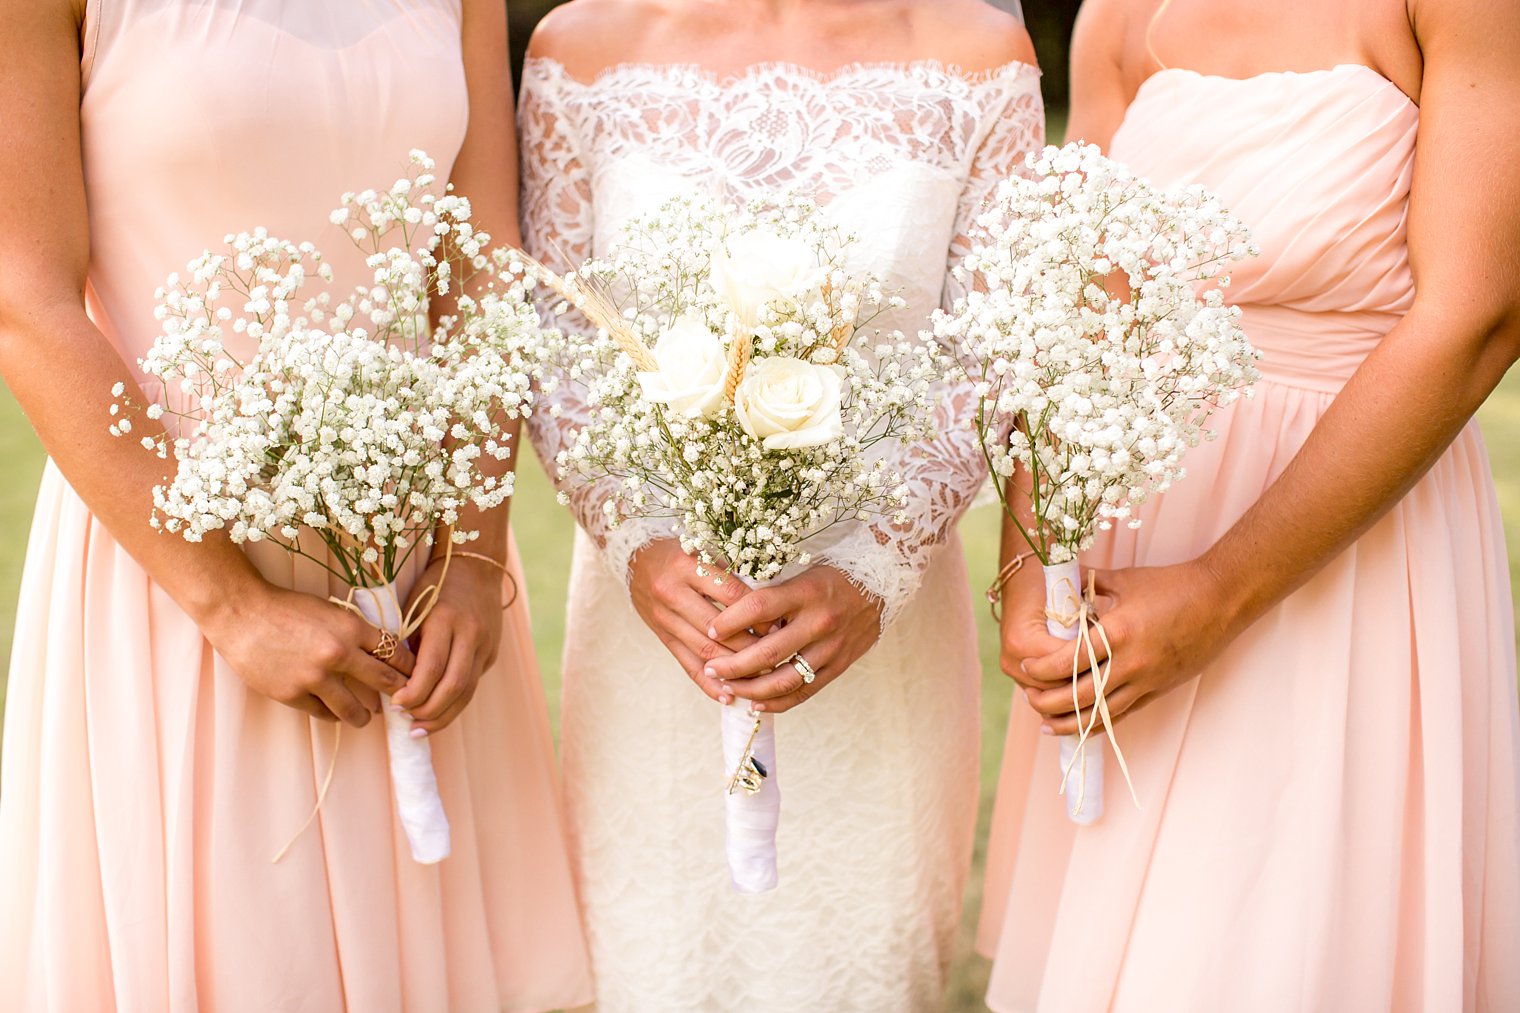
737 643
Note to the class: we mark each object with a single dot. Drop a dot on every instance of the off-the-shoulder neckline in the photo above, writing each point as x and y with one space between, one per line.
912 69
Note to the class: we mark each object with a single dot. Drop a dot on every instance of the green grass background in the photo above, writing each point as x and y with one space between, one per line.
543 535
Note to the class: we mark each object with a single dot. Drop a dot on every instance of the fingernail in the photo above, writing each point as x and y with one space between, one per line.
1024 667
1027 697
757 708
396 708
1046 730
712 633
710 672
725 700
418 733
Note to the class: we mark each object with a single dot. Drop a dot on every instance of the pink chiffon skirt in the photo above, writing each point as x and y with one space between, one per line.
146 790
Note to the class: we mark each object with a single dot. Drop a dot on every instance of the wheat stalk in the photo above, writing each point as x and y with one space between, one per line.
597 308
738 361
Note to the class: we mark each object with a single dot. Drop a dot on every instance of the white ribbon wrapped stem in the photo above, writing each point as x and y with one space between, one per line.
1081 755
751 820
418 804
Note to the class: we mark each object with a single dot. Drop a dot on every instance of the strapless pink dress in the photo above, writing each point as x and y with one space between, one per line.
145 788
1331 812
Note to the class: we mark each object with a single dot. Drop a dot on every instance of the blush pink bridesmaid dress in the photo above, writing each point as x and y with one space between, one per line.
145 789
1331 812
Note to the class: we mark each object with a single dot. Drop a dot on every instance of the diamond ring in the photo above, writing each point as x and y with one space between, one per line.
804 669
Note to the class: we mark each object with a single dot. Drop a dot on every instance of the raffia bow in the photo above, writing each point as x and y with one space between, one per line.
1082 614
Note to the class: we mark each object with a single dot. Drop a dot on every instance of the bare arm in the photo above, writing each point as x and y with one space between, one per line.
291 647
1422 384
59 366
461 636
1099 96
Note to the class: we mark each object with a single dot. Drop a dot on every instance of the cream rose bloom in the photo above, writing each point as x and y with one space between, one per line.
754 269
693 369
789 403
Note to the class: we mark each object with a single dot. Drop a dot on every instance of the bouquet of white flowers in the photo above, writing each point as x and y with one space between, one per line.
737 388
349 433
1099 342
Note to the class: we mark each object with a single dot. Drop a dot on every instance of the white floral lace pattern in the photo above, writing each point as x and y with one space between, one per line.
906 153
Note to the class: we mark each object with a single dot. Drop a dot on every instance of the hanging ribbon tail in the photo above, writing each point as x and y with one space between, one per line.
1084 619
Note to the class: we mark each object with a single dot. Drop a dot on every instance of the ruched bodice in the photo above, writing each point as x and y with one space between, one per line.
1319 165
266 113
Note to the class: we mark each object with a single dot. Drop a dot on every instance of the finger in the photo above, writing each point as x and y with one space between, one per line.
1069 698
368 697
313 706
719 586
801 695
692 666
694 614
755 609
432 659
768 653
787 679
336 697
458 678
1028 644
372 672
1058 665
455 708
1123 701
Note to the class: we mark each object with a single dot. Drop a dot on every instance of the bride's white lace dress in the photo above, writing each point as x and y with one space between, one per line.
879 772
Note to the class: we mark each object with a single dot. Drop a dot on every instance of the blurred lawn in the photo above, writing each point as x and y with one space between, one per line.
543 536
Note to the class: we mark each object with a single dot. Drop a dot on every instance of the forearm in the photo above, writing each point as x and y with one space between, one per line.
1392 421
62 371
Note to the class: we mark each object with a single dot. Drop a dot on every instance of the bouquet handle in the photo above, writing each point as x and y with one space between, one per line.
419 806
1081 757
752 797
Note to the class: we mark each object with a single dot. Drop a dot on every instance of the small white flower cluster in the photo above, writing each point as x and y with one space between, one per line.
1097 337
736 384
355 420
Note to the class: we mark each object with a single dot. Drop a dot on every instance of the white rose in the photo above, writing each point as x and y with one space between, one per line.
693 369
753 269
789 404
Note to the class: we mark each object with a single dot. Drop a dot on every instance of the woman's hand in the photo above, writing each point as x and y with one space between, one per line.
1025 635
818 614
677 603
306 652
1164 625
456 643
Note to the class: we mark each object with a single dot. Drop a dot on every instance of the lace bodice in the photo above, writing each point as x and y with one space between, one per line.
901 155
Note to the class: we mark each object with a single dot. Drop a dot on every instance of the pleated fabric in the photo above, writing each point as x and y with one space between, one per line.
1331 813
145 790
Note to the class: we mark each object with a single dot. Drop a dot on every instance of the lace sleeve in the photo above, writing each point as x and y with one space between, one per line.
888 557
558 226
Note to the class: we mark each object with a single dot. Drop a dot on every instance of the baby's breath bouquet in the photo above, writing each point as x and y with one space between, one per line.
1099 342
346 431
737 388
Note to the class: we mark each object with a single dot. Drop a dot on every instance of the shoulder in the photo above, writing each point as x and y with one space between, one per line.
1102 26
973 33
588 36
